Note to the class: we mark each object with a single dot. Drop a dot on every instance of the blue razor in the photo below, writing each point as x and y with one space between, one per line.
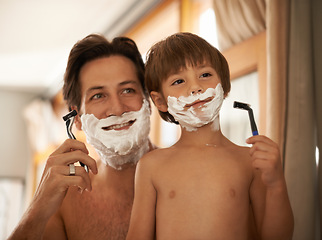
246 106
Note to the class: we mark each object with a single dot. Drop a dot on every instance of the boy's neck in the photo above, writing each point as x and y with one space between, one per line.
204 135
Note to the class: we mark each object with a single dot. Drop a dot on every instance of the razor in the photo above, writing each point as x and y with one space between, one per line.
69 119
246 106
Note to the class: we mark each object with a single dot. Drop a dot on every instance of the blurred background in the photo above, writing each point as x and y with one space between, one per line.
275 61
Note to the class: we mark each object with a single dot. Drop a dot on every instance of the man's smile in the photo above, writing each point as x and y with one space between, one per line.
121 126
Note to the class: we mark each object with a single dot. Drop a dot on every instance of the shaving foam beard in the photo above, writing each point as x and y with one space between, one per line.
192 118
118 147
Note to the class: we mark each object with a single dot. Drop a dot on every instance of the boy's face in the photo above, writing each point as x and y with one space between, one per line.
110 87
187 81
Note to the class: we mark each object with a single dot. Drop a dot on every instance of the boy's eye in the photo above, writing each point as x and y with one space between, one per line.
176 82
205 75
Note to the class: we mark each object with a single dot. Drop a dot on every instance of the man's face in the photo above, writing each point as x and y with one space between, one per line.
110 87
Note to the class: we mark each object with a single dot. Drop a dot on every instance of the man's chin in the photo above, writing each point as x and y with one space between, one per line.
126 166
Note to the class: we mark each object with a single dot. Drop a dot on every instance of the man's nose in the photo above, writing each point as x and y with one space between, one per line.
116 107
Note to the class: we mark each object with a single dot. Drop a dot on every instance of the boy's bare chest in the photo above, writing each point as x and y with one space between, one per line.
211 174
97 217
210 190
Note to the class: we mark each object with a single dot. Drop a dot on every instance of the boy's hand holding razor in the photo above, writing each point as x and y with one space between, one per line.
266 158
264 153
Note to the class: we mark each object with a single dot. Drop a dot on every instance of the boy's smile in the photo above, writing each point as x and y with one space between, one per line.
197 110
198 103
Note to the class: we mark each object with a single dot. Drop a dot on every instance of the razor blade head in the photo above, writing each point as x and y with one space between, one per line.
241 105
70 115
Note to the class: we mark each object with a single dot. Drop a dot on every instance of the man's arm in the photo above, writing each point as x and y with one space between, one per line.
52 188
55 228
272 209
142 224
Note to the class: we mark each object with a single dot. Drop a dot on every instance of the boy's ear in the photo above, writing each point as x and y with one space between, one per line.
159 101
77 120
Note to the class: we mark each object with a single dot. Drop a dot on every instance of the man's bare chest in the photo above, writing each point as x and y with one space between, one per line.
93 217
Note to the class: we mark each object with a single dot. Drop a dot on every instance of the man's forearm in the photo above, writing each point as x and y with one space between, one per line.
31 225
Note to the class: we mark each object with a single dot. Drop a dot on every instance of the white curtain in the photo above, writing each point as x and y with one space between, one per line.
304 119
238 20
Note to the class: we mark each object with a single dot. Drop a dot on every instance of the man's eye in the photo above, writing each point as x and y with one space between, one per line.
97 96
205 75
129 90
176 82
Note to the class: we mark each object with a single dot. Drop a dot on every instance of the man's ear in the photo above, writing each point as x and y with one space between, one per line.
77 120
159 101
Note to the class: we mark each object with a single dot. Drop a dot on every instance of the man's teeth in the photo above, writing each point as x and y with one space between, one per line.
117 126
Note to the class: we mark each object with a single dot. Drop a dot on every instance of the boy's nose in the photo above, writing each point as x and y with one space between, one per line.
195 87
196 91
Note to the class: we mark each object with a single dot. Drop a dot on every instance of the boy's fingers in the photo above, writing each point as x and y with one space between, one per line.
262 147
260 138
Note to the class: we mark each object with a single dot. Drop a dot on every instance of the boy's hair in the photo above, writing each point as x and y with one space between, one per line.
176 52
93 47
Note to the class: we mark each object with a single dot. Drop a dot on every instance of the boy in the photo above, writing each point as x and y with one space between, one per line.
204 186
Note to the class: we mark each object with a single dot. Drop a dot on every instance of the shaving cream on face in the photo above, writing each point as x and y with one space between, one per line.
117 147
192 118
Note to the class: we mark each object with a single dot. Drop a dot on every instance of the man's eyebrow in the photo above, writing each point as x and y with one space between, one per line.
94 88
128 82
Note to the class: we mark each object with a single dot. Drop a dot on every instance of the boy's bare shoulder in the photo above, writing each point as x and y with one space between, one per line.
237 149
241 149
153 160
157 154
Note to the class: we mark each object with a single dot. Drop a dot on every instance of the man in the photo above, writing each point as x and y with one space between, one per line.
104 82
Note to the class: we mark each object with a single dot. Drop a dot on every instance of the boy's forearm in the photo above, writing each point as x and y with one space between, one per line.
278 222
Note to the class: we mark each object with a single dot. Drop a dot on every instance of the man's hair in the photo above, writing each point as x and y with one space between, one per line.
176 52
93 47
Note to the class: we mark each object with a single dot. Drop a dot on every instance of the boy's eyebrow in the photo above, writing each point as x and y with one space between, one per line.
203 65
